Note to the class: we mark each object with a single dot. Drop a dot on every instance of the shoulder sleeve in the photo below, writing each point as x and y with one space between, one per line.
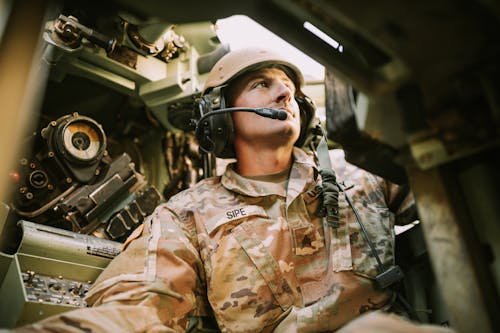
155 284
398 198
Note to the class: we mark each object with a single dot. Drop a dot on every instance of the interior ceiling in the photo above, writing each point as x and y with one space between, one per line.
388 43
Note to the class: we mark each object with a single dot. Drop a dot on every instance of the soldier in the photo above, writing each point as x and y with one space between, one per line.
277 243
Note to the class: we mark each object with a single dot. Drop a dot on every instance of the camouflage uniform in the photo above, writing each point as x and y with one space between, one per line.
252 252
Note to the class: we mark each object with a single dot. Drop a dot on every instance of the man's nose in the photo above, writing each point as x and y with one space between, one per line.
283 92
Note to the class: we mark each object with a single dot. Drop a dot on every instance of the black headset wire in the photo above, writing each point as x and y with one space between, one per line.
380 266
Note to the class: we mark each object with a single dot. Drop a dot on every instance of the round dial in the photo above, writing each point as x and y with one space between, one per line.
82 140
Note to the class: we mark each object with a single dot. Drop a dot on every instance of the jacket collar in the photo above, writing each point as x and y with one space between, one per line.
302 173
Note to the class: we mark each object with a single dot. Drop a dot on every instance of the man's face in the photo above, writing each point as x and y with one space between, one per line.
271 88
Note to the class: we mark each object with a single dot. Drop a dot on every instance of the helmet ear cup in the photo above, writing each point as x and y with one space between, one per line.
215 133
308 121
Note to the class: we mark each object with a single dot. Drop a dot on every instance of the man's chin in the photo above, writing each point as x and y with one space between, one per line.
287 136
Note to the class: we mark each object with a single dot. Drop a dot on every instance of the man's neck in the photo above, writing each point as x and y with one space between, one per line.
255 161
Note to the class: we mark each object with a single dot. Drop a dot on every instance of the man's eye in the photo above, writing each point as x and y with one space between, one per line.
260 84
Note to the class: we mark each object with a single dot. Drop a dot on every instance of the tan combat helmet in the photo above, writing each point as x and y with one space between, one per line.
241 61
217 136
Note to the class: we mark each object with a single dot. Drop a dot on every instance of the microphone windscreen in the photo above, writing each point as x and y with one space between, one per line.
281 114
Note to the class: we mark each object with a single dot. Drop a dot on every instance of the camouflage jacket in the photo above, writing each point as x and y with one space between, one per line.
252 253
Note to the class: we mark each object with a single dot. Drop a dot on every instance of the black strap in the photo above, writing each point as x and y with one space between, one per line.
330 191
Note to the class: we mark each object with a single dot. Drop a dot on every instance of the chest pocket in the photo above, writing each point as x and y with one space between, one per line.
265 264
305 223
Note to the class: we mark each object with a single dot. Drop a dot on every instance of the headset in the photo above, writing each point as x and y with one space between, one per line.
214 128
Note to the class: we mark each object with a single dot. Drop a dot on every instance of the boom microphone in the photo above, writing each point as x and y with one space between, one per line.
264 112
206 132
271 113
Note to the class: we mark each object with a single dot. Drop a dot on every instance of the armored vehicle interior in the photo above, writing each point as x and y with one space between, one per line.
99 107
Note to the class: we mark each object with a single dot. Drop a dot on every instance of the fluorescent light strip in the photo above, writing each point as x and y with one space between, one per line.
329 40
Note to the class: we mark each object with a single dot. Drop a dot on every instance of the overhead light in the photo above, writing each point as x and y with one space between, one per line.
323 36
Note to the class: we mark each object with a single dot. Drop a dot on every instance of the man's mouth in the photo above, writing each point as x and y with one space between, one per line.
284 108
